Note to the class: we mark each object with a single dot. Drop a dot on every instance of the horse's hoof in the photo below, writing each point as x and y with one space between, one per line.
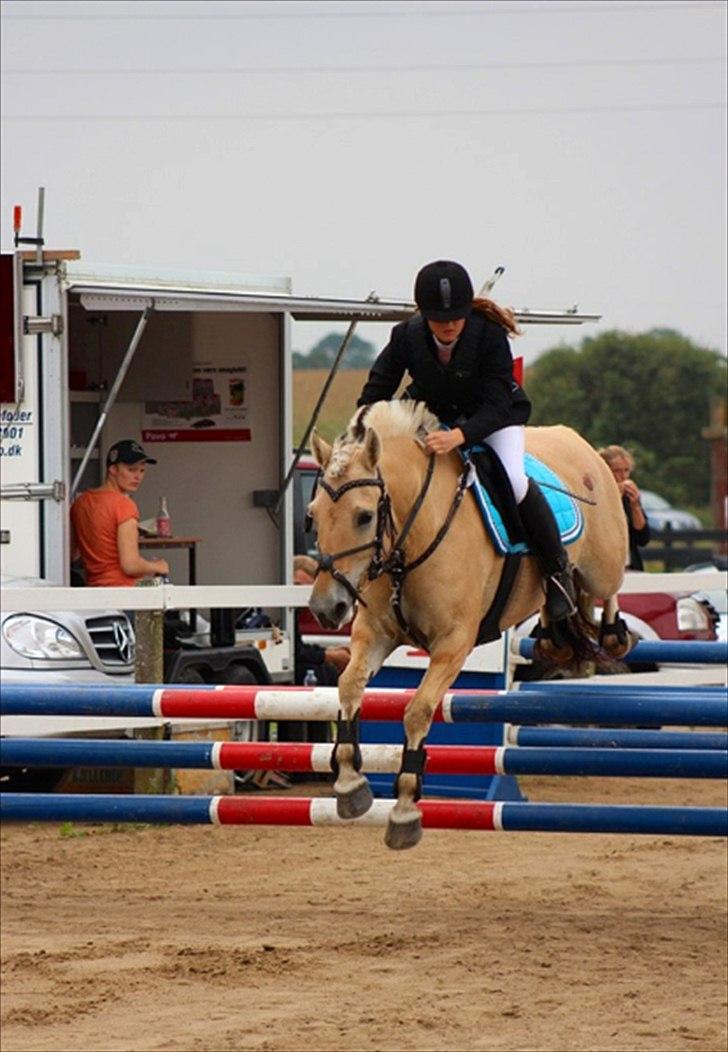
403 834
355 802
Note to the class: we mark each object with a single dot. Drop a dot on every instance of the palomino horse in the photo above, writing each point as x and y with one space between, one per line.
396 543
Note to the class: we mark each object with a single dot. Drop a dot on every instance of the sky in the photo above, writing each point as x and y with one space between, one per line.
580 145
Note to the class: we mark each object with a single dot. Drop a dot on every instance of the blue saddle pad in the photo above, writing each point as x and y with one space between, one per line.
565 509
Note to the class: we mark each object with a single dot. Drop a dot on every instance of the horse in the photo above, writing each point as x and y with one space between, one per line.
400 545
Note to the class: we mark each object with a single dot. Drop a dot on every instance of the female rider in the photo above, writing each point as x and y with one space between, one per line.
457 354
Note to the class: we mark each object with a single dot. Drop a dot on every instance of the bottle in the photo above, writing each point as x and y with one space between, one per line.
310 680
164 523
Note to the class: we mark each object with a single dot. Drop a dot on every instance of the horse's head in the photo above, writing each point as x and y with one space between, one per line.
347 512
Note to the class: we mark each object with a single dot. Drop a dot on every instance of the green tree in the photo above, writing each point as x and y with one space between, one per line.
649 392
358 355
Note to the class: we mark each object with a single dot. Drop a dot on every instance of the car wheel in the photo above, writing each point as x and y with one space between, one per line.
190 674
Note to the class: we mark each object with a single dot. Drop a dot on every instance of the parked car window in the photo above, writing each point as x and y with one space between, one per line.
660 512
652 502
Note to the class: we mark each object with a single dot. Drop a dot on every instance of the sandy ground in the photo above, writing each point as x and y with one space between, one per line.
284 939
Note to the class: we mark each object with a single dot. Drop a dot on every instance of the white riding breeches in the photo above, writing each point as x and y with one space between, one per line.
509 445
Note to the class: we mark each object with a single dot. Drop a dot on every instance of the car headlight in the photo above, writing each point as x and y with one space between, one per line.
35 637
692 615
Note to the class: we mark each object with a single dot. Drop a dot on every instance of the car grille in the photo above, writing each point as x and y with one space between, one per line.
113 639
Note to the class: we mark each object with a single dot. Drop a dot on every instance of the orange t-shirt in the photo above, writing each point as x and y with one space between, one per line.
96 516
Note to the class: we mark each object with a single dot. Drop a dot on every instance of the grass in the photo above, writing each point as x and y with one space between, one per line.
338 407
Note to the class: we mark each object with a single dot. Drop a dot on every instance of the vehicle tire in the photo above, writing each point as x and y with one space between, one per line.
190 674
239 676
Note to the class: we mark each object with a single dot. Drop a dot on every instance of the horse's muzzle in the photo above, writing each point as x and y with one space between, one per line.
331 610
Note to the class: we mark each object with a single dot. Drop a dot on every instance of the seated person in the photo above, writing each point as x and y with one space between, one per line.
104 521
621 464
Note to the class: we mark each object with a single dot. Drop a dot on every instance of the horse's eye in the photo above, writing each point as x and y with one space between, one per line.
363 518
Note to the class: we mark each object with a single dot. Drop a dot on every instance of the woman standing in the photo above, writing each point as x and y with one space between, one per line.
621 464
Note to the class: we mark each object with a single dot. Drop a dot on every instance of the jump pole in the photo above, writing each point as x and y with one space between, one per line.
665 651
613 738
442 759
436 814
256 703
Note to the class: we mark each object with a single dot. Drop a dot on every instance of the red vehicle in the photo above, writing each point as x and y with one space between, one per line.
661 615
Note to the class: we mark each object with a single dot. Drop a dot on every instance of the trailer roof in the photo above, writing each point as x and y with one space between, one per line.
111 288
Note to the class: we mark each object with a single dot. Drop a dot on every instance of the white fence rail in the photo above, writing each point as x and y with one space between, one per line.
177 597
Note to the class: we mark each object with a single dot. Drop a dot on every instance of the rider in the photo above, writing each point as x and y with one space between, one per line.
457 354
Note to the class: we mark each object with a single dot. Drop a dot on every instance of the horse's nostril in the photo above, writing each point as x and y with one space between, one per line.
340 610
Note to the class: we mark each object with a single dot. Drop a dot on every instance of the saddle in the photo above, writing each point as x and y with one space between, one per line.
494 497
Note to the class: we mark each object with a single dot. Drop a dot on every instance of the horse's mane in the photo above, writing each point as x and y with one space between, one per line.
395 419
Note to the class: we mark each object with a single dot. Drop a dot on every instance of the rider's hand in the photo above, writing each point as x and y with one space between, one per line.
444 441
161 567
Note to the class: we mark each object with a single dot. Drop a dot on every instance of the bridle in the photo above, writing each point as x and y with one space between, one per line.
394 564
385 524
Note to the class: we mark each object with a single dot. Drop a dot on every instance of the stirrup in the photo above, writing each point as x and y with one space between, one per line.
560 595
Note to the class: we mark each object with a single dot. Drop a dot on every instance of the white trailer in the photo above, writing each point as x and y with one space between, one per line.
196 366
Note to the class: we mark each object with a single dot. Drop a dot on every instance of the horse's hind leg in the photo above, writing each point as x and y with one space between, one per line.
614 635
404 828
353 794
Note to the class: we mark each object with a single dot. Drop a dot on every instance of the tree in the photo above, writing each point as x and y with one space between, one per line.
649 392
358 355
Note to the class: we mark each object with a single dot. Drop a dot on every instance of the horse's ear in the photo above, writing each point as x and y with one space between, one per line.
321 450
372 449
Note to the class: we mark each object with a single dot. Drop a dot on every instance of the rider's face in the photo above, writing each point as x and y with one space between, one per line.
447 331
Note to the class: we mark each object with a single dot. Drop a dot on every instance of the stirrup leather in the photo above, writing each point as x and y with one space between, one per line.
561 583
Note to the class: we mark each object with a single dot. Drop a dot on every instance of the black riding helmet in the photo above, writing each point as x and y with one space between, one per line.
443 291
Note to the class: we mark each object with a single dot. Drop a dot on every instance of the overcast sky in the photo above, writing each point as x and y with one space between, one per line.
580 145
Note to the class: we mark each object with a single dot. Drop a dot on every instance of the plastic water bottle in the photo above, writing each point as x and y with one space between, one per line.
164 523
310 680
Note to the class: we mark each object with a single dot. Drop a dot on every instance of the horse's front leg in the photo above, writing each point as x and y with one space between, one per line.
368 651
404 828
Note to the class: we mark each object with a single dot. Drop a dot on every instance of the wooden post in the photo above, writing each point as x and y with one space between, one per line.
149 631
149 668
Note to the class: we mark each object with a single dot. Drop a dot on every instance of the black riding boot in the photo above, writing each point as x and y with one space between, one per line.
545 542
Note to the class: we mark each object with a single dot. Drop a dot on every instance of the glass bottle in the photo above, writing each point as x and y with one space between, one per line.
164 523
310 680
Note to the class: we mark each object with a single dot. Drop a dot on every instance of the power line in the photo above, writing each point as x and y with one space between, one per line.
372 115
414 68
410 12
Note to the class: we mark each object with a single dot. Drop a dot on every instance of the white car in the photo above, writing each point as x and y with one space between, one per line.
64 646
660 513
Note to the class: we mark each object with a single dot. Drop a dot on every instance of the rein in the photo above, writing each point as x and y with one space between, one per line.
394 564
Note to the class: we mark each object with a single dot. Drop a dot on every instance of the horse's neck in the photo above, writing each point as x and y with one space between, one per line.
404 469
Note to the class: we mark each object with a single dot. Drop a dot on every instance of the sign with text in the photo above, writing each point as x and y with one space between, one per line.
217 411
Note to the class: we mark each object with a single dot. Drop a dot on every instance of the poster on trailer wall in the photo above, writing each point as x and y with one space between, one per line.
217 411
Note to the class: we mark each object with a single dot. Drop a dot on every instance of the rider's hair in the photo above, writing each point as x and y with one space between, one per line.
502 315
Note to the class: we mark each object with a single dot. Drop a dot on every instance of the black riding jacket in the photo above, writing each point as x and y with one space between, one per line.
475 391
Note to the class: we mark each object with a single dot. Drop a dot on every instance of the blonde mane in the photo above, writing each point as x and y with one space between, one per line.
395 419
